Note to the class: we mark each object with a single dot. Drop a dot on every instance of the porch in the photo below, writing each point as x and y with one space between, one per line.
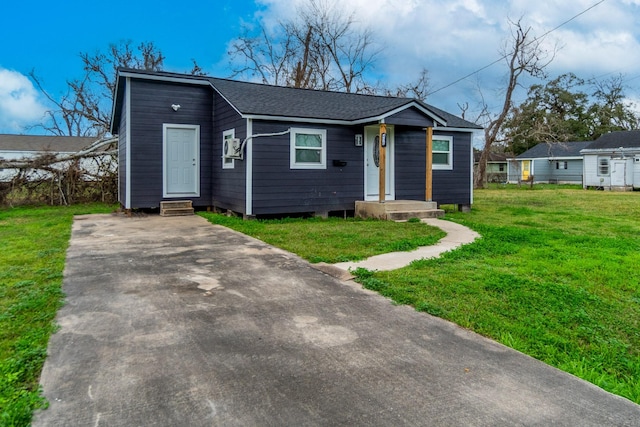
398 210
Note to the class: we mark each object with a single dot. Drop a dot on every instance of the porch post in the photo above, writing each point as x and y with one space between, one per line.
382 141
429 167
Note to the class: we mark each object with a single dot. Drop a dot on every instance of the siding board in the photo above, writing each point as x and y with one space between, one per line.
151 107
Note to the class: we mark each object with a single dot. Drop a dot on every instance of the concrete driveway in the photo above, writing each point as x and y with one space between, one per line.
177 322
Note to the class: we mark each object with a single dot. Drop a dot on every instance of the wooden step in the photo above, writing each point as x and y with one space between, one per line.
176 208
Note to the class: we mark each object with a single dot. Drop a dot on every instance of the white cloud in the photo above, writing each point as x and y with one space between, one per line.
19 102
453 38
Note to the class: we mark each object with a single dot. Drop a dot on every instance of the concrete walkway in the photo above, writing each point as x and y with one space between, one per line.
457 235
177 322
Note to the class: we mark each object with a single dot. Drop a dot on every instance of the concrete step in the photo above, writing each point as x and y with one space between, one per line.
405 215
398 210
408 205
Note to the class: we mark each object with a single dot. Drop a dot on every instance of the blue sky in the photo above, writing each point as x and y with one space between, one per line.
450 38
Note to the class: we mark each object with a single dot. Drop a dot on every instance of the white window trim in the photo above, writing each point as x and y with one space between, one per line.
323 153
449 166
225 134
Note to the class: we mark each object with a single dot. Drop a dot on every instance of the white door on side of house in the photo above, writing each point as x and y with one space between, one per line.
618 173
372 164
181 145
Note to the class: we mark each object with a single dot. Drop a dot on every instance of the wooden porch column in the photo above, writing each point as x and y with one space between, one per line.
382 141
429 167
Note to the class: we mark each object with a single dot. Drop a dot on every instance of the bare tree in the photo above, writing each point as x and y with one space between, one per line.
85 109
524 55
321 48
419 88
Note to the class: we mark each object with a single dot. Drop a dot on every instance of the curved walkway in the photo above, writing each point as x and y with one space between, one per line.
457 235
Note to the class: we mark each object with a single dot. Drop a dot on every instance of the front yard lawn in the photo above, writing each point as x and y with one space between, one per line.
555 275
34 244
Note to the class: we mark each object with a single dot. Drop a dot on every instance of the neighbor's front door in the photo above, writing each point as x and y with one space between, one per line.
618 173
526 169
181 160
372 164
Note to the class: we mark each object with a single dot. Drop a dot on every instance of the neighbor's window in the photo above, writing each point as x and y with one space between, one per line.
308 148
561 165
501 167
227 135
603 166
442 152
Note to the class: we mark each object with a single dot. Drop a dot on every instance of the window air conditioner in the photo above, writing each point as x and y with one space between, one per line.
232 148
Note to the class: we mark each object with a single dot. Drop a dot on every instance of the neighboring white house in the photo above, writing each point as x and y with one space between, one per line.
612 162
16 147
550 162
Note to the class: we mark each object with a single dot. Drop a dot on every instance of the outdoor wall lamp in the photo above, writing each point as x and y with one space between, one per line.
175 107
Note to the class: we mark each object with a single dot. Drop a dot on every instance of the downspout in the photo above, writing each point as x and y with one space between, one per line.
248 204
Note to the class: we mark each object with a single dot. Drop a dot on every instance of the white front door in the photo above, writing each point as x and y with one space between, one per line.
181 160
372 164
618 173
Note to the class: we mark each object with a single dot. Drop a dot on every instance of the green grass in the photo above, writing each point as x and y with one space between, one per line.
34 242
334 240
555 275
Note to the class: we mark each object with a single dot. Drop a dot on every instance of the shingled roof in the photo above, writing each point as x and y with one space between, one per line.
58 144
278 102
618 139
555 150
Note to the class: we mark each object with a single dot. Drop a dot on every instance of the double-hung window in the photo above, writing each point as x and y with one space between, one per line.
603 166
442 152
308 148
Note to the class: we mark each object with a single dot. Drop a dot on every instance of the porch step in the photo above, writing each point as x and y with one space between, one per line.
405 215
176 208
398 210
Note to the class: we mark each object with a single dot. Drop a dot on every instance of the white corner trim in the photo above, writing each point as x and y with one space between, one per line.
127 97
248 157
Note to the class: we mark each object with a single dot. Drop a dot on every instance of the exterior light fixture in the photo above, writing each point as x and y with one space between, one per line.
175 107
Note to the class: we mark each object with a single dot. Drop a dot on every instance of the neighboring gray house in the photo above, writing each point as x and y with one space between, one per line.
550 162
15 147
260 150
497 166
612 162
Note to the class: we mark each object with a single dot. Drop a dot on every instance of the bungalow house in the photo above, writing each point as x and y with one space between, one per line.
261 150
612 162
17 147
550 162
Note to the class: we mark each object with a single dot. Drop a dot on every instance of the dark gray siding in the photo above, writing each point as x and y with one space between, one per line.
122 156
150 108
449 186
409 117
279 189
228 185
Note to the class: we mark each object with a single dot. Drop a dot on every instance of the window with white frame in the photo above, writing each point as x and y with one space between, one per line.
603 166
442 152
308 148
561 165
226 136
